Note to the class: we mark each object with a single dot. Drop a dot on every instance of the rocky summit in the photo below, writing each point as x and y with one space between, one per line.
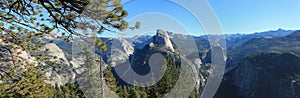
159 43
162 38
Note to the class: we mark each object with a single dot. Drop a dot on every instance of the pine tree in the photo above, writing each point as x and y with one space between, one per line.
110 79
152 91
124 92
170 77
136 91
29 84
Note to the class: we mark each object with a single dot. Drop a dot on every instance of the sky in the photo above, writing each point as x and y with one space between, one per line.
234 16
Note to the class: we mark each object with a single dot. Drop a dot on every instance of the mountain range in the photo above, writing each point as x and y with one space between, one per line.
259 65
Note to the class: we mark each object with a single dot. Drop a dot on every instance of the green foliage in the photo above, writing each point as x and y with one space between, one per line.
69 90
28 83
110 80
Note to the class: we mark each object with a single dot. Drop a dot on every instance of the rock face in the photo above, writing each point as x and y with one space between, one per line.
161 39
118 52
54 50
160 43
62 72
264 75
138 40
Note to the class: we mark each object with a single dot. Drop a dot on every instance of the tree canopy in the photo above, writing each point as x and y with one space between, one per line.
24 24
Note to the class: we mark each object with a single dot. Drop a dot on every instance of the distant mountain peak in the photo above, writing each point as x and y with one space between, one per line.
162 38
161 32
280 29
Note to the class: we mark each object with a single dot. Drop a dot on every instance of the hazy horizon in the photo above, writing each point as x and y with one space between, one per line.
152 33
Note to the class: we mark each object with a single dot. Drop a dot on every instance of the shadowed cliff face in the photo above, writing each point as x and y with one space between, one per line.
160 43
263 75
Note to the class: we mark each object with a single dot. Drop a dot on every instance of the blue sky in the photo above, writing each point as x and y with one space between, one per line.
235 16
249 16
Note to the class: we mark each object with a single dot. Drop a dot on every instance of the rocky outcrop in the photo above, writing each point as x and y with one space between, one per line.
160 43
55 51
20 55
60 73
138 40
161 39
264 75
118 52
